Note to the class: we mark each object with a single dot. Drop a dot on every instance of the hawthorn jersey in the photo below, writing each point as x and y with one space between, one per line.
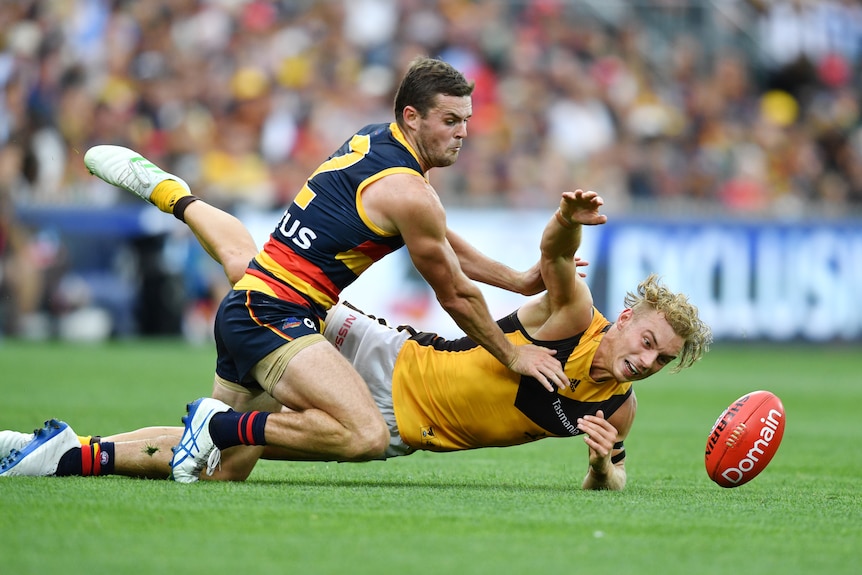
325 240
452 394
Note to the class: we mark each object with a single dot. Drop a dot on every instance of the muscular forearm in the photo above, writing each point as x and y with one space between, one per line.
479 267
561 238
470 313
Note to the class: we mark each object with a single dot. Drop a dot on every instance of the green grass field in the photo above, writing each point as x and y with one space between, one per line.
501 511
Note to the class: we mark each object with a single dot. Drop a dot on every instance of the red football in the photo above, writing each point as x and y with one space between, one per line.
744 439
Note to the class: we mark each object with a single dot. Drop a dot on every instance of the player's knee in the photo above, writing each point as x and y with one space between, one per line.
369 443
234 264
381 441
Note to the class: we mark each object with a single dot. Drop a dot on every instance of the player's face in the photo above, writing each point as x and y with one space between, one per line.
648 344
440 134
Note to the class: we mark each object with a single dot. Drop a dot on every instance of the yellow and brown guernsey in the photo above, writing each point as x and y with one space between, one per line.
305 260
452 394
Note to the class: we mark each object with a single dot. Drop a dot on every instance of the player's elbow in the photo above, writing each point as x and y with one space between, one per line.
453 306
459 303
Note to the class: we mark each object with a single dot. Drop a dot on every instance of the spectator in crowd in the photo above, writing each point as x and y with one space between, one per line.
247 95
747 107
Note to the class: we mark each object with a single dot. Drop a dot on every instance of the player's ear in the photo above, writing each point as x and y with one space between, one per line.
624 317
411 116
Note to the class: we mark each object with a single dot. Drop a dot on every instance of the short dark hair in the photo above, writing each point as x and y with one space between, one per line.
424 80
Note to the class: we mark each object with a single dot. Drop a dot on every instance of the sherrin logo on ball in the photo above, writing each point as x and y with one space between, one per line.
744 438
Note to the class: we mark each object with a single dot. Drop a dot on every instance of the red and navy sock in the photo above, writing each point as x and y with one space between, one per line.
97 458
231 428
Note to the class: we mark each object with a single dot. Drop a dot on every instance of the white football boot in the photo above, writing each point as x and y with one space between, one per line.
42 454
196 448
128 170
10 440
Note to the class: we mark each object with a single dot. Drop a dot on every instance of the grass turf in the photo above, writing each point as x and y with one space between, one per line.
512 510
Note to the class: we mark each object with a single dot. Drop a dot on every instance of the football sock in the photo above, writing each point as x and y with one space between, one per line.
181 205
88 460
170 195
232 428
89 439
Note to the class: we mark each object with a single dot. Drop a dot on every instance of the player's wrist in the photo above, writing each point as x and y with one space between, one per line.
563 220
513 359
511 363
601 472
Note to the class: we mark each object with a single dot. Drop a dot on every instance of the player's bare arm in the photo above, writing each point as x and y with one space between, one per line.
561 240
566 308
479 267
410 205
604 439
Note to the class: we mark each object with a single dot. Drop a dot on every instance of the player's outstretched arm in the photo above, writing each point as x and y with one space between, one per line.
410 206
568 297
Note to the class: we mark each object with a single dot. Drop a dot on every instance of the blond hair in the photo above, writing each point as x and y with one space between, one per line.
679 313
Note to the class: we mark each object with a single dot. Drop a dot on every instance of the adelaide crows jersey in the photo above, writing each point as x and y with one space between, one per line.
325 240
452 394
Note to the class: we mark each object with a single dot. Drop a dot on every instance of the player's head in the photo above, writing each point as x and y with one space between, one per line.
426 78
652 296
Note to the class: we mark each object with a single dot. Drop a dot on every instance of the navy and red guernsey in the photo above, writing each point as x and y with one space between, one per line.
325 240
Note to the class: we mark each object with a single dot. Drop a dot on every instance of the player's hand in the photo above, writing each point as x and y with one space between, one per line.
579 263
600 437
582 208
530 281
539 363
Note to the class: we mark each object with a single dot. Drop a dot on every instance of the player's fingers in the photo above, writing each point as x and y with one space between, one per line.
557 375
601 450
537 373
548 380
598 428
543 380
553 371
563 382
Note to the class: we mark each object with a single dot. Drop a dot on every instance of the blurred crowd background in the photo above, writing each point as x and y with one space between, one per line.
671 107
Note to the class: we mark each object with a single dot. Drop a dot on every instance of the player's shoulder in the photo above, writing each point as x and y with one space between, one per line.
402 190
401 200
376 129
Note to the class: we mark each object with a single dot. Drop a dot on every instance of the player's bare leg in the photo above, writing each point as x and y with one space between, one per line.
223 237
334 417
316 415
148 458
